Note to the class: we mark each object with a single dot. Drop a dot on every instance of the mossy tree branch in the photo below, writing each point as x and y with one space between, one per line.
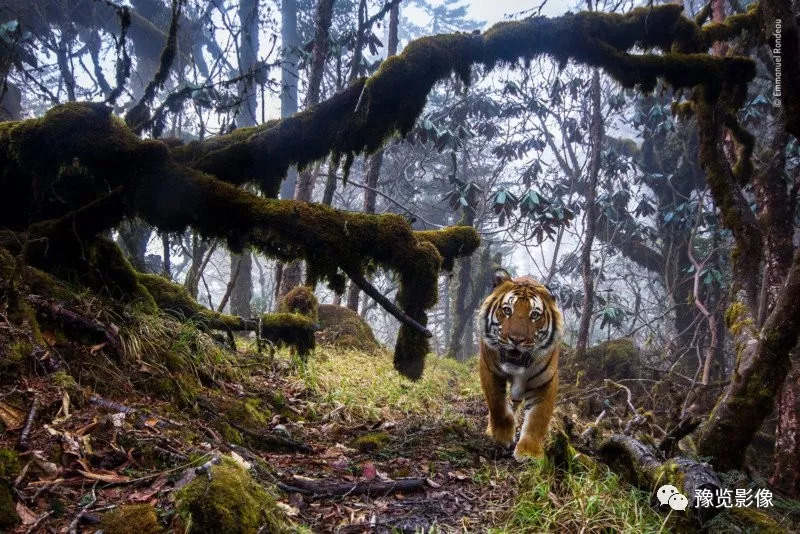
66 190
363 116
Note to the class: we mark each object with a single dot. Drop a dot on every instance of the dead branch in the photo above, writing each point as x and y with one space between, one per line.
684 427
74 320
26 430
73 526
328 488
273 441
365 286
111 405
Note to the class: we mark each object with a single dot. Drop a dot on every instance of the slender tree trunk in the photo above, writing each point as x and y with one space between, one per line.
167 256
293 272
596 137
134 236
241 281
289 74
376 161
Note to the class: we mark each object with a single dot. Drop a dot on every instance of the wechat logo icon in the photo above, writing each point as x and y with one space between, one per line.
670 495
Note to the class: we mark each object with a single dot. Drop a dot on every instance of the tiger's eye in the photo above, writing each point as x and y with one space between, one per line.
535 315
507 310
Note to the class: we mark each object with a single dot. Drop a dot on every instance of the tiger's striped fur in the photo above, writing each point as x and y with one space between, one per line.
520 333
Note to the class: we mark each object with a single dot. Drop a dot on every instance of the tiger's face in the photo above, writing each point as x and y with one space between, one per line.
520 316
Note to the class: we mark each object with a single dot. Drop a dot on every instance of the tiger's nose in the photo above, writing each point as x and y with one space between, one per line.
517 340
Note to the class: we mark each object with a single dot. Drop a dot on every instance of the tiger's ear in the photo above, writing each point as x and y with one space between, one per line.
552 295
500 276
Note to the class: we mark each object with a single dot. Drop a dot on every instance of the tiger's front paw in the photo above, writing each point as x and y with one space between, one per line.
502 431
528 449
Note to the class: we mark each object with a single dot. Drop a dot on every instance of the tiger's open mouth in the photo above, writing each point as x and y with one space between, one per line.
516 357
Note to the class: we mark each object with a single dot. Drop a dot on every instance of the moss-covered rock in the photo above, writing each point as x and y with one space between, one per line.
300 300
614 359
229 501
342 327
131 519
371 442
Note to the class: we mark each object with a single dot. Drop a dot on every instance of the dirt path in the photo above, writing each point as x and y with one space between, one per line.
467 484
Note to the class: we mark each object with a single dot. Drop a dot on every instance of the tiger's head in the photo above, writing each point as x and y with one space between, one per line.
520 317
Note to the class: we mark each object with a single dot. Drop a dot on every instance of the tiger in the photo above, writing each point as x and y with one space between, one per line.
520 329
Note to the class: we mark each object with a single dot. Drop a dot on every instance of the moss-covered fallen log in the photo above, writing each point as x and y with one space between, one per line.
640 464
290 329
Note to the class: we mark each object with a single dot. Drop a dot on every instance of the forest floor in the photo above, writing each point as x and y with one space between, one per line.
344 417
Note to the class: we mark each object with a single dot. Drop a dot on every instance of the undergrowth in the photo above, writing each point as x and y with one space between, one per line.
367 386
583 497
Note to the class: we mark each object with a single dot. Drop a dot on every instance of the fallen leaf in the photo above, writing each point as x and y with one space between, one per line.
43 467
368 471
291 511
12 417
26 516
432 484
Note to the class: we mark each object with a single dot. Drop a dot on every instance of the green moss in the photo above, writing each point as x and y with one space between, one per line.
175 300
617 358
9 464
230 434
8 514
451 243
300 300
228 501
371 442
248 413
290 329
747 520
131 519
344 328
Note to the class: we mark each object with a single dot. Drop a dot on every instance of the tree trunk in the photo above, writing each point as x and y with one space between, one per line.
596 137
786 461
241 277
134 236
352 297
242 292
376 161
290 41
293 271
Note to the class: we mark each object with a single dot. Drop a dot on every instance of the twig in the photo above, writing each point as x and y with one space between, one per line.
111 405
26 430
684 427
330 488
629 395
38 521
73 526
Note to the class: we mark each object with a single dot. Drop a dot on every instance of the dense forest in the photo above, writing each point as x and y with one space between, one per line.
244 245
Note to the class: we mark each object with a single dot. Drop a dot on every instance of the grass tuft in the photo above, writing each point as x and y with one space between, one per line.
585 497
